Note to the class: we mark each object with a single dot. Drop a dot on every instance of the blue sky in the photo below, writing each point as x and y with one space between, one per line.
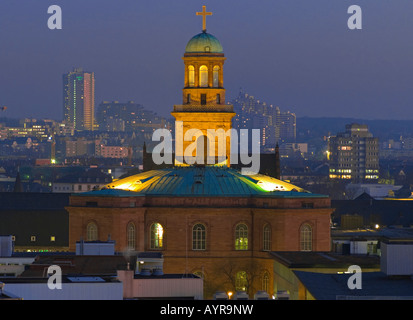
298 54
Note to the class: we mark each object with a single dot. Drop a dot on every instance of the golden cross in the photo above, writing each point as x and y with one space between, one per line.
204 14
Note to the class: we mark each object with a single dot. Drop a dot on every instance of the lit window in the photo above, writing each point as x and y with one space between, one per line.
241 237
156 241
306 238
91 232
52 238
241 281
33 238
198 237
191 76
203 76
215 76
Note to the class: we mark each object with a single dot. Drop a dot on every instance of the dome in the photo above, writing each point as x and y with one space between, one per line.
201 181
204 42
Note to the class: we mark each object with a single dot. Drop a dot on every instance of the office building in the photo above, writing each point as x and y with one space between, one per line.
79 99
354 154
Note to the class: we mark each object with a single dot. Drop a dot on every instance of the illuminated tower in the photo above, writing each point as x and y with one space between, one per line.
79 99
203 105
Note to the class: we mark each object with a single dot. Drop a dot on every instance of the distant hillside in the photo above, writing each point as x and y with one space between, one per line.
383 129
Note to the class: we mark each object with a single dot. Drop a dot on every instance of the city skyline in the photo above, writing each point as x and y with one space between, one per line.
301 57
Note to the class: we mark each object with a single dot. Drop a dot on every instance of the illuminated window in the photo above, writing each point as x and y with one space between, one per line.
156 241
267 238
33 238
198 237
241 281
191 76
241 237
306 238
131 235
215 76
91 232
203 76
52 238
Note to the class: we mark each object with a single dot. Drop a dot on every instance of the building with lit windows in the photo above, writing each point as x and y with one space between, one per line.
79 99
354 155
209 219
276 126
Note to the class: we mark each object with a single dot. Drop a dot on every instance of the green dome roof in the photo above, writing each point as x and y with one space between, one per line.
200 181
204 42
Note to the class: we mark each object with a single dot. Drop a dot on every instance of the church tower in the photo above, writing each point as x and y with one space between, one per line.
203 107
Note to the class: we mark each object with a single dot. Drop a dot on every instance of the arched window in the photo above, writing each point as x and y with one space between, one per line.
131 235
266 245
215 77
191 76
203 76
241 237
92 232
241 281
266 282
306 238
198 237
157 235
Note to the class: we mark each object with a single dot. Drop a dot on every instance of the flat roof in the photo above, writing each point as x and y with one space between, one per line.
299 259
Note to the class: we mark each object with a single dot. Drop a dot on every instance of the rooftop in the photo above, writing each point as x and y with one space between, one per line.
203 43
375 285
201 181
299 259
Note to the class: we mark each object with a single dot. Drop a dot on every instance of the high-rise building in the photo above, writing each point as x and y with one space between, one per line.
285 126
354 154
79 99
276 126
127 116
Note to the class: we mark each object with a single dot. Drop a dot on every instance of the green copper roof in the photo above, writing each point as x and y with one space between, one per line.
204 43
201 181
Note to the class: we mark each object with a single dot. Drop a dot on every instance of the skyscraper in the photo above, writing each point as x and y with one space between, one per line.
354 154
276 126
79 99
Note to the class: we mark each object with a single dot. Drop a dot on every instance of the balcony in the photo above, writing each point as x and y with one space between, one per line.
204 108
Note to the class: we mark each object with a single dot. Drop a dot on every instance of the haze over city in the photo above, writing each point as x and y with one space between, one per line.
300 56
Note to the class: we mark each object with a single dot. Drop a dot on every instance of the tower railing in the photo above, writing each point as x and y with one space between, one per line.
204 108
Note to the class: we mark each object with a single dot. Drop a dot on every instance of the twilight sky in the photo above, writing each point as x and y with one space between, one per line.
298 54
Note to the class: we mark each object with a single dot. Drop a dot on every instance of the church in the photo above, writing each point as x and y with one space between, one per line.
210 220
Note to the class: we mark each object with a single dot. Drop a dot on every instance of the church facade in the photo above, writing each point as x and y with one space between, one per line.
209 220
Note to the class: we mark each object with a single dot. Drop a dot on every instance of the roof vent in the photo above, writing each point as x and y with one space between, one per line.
262 295
157 272
145 272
